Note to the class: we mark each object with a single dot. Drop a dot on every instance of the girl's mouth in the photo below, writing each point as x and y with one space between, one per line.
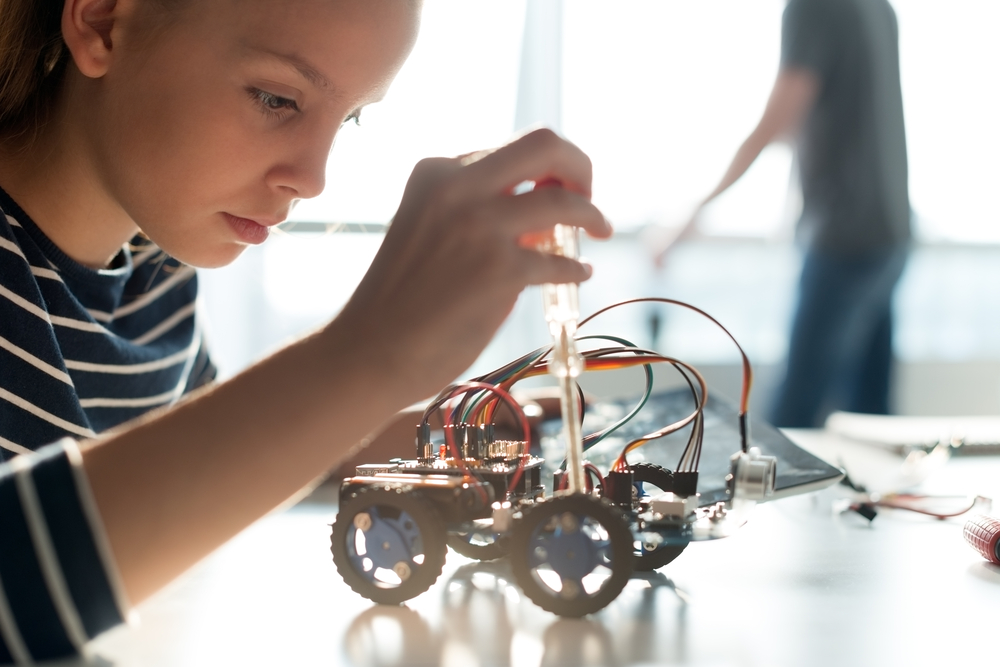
249 231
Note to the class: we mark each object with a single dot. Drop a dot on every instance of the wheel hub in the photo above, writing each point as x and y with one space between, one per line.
387 543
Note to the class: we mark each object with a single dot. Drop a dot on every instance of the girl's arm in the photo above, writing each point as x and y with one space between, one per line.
177 484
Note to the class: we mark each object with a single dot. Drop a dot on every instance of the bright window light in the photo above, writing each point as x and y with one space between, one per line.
455 94
950 57
661 94
309 273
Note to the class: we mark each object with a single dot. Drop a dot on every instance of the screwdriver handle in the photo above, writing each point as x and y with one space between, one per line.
983 534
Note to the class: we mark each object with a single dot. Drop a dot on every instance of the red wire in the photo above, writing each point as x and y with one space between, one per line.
891 503
509 400
594 470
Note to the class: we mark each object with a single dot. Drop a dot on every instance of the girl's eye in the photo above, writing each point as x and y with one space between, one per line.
355 116
271 103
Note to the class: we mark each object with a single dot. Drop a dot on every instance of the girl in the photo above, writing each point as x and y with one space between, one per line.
134 126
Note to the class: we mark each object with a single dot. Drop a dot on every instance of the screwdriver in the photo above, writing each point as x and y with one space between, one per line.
562 311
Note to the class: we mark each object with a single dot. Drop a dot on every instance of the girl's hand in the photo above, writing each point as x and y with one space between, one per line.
176 484
458 254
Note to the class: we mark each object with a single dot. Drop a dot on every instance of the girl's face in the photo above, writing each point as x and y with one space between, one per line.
208 128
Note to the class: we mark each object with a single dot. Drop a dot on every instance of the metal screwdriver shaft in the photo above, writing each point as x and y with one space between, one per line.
562 311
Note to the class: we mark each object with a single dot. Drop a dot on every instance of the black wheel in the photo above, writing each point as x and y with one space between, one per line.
647 480
477 540
572 555
388 543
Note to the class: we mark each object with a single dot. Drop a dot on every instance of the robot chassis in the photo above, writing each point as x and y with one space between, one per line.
571 553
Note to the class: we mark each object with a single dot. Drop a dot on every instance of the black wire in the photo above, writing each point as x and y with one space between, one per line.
699 427
744 417
693 440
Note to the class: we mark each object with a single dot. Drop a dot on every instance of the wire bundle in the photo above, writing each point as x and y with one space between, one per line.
474 403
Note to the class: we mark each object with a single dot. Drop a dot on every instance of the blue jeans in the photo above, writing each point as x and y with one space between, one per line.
840 352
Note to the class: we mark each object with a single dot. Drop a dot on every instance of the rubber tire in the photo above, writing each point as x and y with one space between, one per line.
432 535
650 473
619 533
487 552
663 479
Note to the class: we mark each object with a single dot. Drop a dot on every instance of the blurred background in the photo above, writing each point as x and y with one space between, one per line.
660 94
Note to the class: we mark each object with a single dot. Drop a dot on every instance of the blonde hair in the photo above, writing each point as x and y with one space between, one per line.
33 59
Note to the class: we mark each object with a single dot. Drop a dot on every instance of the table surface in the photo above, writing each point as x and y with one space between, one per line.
800 584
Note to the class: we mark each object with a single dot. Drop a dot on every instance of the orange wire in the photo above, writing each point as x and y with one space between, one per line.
621 463
506 397
747 369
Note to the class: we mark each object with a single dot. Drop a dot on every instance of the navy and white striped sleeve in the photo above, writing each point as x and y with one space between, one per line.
59 586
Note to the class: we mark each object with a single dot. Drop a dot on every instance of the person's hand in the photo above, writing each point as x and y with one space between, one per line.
664 241
456 257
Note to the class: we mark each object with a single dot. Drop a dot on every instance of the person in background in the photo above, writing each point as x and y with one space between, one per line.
140 138
837 97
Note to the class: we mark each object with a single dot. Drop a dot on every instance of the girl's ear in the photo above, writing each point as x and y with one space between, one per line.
89 28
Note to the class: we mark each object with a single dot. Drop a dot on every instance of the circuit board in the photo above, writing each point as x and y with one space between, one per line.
798 470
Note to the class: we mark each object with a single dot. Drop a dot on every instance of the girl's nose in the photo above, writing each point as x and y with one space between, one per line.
302 171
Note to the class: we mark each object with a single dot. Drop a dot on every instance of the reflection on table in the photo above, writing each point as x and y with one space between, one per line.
798 585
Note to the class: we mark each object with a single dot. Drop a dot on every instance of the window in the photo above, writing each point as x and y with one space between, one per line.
660 94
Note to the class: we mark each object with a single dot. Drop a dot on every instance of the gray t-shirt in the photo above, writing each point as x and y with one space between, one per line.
852 148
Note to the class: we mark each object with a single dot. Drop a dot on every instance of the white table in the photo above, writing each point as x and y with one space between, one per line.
797 586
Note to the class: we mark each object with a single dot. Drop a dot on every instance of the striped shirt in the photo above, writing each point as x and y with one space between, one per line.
82 350
58 583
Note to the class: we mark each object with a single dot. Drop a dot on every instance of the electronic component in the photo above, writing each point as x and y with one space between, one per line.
620 488
672 506
751 475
